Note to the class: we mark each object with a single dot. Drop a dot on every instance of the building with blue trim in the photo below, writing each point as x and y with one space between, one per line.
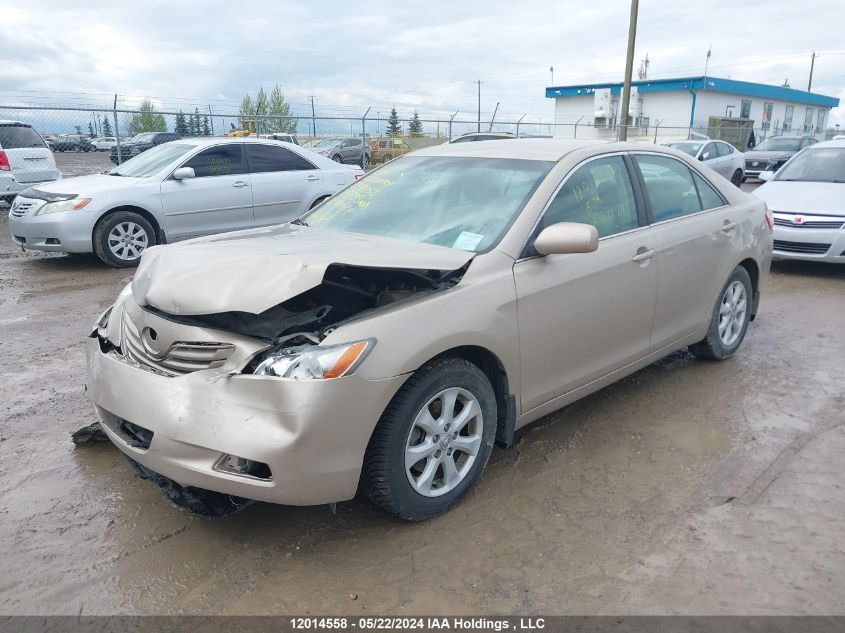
689 102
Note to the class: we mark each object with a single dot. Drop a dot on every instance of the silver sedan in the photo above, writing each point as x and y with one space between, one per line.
721 157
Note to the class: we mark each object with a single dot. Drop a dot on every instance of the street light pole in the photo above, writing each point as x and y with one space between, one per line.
629 69
812 65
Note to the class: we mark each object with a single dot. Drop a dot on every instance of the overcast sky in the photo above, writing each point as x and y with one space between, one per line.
420 55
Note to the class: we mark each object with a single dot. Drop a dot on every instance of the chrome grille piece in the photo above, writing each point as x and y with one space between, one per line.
20 209
179 359
810 224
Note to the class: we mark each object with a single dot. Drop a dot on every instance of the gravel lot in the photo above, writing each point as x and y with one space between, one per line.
690 487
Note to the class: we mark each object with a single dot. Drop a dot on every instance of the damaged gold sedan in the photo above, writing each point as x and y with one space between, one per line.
384 341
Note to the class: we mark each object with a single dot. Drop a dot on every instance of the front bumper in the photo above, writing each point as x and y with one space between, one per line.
312 434
65 232
809 244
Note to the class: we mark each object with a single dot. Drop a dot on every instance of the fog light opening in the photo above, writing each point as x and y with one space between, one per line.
242 467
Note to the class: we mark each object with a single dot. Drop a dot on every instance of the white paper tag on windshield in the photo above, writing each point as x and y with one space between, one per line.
467 241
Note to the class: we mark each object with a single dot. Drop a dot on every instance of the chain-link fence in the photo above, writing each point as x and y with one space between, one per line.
79 141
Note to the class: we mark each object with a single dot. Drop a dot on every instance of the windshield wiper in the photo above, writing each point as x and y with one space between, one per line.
299 222
114 173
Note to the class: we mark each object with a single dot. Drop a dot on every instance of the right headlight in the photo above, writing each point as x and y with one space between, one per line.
312 362
63 205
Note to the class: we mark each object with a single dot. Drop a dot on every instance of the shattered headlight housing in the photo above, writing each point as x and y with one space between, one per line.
102 322
311 362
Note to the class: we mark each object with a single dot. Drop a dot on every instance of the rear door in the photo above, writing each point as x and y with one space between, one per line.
283 183
697 236
582 316
219 199
30 160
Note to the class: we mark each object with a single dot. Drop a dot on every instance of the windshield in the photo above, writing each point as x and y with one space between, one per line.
463 203
329 142
689 148
152 161
779 144
815 165
146 137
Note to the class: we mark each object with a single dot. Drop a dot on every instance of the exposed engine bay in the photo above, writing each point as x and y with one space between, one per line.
345 292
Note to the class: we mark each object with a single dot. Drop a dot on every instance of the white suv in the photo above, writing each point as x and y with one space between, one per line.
25 159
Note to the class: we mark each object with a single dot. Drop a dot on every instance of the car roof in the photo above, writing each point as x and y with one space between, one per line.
10 122
527 149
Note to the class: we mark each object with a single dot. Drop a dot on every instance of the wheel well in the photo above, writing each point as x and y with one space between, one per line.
161 237
492 367
753 271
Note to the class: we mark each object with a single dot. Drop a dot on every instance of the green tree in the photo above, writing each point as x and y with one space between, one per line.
181 125
147 119
106 126
190 124
393 127
78 130
197 122
247 111
206 131
279 107
91 130
415 126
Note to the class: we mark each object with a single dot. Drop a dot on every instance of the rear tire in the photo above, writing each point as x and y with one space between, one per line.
445 414
730 318
737 178
318 201
336 158
120 238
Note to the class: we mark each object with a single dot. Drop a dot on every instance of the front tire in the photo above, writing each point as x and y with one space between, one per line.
737 178
730 318
432 441
336 158
120 238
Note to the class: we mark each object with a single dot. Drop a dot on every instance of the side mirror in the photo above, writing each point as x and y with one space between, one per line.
704 156
766 176
184 173
567 237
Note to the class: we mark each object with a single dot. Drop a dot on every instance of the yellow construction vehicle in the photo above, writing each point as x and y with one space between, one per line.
249 130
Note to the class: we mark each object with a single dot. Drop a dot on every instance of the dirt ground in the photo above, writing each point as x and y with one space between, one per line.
691 487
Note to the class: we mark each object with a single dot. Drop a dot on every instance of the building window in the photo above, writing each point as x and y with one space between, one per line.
767 115
808 120
821 121
787 118
745 109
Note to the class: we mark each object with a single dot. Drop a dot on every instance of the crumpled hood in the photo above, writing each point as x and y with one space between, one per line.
89 186
254 270
822 198
765 157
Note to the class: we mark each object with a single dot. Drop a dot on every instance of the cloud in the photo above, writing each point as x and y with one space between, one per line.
412 55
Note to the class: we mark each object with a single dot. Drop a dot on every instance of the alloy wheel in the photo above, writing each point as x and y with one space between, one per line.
732 313
443 442
127 240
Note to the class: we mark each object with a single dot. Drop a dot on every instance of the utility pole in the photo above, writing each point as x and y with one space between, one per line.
313 119
479 105
629 68
812 64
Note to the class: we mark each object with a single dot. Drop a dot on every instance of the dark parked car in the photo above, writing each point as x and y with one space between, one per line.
771 154
141 143
70 144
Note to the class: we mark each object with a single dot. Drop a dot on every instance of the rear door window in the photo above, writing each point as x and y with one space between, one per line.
264 158
19 137
724 149
598 193
223 160
669 187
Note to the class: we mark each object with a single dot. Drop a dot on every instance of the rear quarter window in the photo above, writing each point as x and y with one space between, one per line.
19 136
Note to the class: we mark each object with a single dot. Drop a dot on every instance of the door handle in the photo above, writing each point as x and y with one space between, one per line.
728 226
312 177
643 255
239 183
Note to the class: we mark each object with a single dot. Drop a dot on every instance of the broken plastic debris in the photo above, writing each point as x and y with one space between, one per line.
88 435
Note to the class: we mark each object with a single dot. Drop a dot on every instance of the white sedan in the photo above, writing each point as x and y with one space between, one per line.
176 191
721 157
807 199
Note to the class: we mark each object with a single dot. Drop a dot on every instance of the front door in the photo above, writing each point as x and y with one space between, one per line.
218 199
582 316
283 183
